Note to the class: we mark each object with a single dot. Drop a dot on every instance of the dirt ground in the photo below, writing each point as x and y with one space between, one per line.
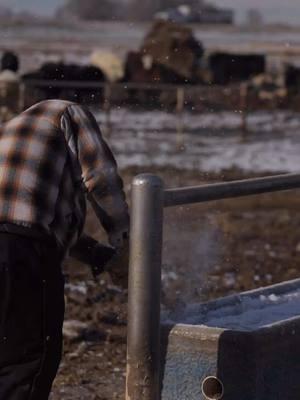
209 251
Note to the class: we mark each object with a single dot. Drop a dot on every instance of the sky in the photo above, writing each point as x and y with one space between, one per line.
273 10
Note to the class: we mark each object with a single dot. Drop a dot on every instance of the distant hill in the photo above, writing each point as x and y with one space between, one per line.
92 9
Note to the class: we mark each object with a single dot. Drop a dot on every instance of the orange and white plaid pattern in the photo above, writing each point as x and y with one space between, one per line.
52 156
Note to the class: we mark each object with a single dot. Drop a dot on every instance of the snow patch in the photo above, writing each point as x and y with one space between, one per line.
210 142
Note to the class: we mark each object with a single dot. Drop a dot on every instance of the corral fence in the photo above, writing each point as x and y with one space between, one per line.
162 96
149 198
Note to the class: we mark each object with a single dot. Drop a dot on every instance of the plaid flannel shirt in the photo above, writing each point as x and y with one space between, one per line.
51 157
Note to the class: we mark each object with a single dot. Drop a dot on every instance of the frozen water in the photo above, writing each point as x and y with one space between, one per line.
244 313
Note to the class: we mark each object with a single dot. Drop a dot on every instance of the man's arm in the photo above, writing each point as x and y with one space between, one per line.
102 183
100 175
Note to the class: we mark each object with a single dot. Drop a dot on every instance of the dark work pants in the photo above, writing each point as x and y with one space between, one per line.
31 317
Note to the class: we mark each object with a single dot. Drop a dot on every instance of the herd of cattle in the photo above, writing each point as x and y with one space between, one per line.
169 54
223 69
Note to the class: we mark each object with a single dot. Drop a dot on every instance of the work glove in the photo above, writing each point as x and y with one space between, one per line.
101 255
92 253
119 238
102 258
118 265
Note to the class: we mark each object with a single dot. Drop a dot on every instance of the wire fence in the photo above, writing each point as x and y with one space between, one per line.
170 97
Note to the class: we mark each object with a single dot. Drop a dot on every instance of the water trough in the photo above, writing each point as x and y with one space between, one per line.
242 347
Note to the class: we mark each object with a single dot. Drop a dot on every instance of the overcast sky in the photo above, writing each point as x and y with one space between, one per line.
288 10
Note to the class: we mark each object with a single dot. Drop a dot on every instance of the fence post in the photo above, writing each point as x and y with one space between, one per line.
107 107
180 98
143 342
244 105
22 97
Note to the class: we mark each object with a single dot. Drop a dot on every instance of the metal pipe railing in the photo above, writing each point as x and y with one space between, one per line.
226 190
143 344
148 200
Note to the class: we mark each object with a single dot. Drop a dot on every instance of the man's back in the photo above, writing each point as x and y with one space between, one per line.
50 156
34 171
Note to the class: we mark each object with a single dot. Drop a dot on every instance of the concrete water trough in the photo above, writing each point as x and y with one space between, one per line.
241 347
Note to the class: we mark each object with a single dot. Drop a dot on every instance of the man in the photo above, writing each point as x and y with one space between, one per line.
52 156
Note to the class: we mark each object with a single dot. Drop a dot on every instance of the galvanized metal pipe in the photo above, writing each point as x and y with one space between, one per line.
148 200
218 191
143 341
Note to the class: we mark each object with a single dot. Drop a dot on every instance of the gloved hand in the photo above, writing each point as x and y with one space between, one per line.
100 257
118 239
92 253
118 265
103 258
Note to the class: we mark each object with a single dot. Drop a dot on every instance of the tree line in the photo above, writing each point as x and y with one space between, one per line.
117 9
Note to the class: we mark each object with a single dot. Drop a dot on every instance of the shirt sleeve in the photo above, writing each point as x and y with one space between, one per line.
99 171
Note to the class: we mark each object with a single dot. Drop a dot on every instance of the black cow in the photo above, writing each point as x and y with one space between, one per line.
228 68
10 61
59 72
292 78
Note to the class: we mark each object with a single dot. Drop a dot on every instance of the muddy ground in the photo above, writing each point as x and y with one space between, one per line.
209 251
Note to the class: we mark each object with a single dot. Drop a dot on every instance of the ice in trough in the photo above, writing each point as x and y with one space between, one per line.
247 345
